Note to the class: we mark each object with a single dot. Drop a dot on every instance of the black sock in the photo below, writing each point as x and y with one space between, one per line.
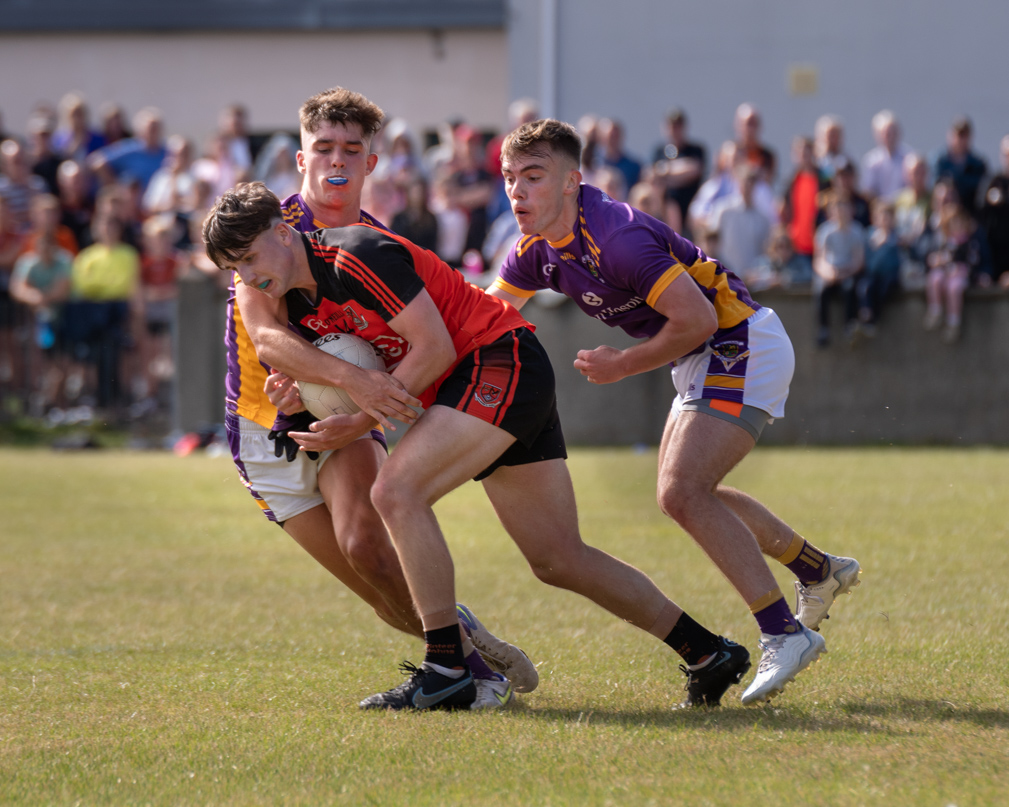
693 642
444 647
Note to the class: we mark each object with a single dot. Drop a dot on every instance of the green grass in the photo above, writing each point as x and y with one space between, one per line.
160 643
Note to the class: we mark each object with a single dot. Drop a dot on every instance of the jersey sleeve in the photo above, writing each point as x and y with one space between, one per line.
637 259
377 271
518 274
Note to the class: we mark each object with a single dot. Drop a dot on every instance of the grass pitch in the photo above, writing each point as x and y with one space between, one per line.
160 643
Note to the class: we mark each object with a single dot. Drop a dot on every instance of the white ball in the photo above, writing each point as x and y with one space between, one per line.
323 401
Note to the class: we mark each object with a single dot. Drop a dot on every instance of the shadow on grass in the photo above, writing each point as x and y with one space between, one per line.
925 711
863 717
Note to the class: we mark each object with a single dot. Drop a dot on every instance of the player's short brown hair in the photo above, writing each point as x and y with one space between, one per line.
340 105
240 216
542 137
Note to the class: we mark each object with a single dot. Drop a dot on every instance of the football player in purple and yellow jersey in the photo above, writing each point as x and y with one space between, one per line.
323 500
731 361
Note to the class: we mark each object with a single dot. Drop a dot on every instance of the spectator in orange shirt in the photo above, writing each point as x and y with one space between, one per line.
800 207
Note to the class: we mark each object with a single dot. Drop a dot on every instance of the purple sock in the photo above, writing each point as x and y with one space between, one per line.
805 561
776 618
479 667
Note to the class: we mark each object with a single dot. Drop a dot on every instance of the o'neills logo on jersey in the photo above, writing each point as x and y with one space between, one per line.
730 353
549 269
328 318
591 299
488 395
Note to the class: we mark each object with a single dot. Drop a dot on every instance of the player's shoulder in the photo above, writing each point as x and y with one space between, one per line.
365 242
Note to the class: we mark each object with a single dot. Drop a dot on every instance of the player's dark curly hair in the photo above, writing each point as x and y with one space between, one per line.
238 218
339 105
542 137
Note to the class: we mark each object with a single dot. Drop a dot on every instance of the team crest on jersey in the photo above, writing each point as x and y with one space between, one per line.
392 348
488 395
360 323
590 264
730 353
592 299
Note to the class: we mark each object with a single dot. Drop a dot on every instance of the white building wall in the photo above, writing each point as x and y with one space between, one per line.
413 74
926 60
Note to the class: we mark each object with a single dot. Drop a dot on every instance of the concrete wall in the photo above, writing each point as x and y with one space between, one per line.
926 59
904 386
423 76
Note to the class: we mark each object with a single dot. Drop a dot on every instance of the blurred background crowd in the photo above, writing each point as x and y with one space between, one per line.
100 217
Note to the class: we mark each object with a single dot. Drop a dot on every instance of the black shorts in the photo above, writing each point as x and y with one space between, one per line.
510 384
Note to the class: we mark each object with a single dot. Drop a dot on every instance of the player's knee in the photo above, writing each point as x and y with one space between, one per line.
387 496
676 498
372 556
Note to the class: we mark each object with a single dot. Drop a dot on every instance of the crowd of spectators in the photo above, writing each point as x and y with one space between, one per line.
100 221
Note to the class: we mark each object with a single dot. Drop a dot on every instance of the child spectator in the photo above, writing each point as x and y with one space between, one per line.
839 258
960 165
882 266
959 257
781 267
41 281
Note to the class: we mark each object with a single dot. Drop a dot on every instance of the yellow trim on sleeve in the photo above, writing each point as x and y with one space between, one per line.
508 287
663 282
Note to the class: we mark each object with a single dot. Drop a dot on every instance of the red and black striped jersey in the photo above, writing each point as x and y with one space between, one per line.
366 276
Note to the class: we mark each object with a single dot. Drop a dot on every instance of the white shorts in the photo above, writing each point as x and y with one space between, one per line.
749 365
282 489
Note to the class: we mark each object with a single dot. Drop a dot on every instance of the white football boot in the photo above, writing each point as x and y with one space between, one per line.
813 602
785 656
492 693
502 657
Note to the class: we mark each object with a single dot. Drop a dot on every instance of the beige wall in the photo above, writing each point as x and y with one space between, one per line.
191 76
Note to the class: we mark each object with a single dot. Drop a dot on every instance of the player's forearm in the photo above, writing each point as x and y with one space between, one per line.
676 339
424 365
294 356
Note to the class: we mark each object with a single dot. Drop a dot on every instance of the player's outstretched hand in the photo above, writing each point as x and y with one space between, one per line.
382 396
334 432
283 393
604 365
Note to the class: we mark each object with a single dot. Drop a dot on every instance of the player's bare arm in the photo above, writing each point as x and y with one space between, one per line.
691 320
431 354
378 394
513 299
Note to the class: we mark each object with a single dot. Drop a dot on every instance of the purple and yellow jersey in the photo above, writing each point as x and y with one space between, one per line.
246 375
616 263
